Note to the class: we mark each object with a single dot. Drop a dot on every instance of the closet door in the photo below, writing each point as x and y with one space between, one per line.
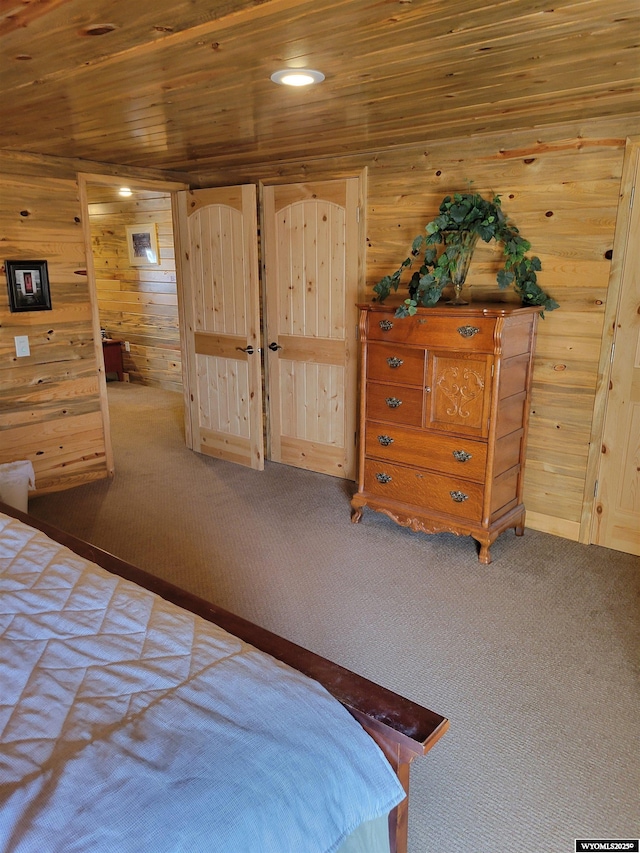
616 519
221 322
312 254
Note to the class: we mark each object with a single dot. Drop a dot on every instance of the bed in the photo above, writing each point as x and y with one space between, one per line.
137 717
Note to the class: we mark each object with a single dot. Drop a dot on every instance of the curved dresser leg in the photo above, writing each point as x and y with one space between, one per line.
484 556
356 514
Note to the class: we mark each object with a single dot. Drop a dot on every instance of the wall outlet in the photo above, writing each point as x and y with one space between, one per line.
127 346
22 345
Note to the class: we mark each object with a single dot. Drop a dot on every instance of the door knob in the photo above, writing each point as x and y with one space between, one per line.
248 350
273 346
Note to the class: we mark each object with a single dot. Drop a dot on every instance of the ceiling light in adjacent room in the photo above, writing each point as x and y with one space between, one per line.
297 77
125 192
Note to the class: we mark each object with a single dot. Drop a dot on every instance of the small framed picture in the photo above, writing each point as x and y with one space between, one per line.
28 283
142 241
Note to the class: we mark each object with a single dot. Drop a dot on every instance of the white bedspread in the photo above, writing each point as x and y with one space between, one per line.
129 724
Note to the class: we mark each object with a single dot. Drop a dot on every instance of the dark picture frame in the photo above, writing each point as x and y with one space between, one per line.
28 283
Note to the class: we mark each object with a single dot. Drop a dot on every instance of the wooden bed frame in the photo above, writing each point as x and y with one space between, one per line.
402 728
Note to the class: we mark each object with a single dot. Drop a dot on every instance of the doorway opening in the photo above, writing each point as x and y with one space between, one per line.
136 295
133 285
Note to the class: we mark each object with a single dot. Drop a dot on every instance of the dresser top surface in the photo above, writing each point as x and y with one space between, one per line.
474 309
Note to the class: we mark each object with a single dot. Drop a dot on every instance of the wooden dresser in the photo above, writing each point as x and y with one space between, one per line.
443 418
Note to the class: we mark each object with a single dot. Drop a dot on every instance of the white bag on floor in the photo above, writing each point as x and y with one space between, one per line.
16 478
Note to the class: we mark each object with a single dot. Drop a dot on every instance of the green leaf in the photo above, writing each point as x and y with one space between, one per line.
417 244
504 279
430 257
430 297
485 232
459 212
407 309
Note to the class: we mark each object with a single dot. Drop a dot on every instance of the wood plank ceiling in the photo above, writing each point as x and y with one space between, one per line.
184 86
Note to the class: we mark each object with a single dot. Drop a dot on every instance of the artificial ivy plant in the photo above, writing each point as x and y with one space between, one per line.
463 218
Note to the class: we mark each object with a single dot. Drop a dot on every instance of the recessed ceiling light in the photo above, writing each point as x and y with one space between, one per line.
125 191
297 77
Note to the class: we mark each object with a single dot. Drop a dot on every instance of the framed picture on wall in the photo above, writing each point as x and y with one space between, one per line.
142 242
28 283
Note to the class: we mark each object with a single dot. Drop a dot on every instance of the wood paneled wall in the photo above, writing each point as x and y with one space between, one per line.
52 411
561 188
49 401
560 185
137 304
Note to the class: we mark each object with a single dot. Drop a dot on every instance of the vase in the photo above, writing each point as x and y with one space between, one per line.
466 244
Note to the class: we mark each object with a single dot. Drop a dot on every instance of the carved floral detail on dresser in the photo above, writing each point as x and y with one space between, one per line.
419 525
460 385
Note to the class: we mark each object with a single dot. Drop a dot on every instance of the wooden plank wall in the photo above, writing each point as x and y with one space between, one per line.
49 401
138 304
561 187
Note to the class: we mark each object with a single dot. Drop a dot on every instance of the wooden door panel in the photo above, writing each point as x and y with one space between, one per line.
223 386
223 321
321 350
218 261
629 491
312 263
311 260
616 520
324 385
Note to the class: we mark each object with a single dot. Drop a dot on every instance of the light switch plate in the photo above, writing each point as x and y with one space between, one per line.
22 345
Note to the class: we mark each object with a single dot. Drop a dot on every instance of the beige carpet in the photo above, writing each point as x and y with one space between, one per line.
534 658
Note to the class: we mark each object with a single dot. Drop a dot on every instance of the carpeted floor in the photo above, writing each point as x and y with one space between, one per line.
534 658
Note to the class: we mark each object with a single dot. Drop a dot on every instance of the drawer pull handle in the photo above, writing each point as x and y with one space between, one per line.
395 362
468 331
385 325
462 455
459 497
383 478
393 402
385 440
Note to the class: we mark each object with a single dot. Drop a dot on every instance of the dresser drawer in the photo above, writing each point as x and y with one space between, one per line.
458 457
392 363
395 404
447 495
460 333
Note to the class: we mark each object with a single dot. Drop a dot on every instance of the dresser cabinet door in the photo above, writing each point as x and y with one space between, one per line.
459 393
